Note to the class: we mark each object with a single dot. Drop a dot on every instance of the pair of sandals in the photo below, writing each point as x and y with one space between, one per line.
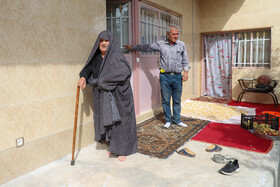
189 153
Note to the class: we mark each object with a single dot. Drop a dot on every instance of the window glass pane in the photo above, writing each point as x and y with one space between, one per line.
118 22
116 29
143 26
109 24
247 58
125 9
148 26
111 10
125 32
241 54
267 53
165 21
148 33
142 33
255 47
254 51
153 25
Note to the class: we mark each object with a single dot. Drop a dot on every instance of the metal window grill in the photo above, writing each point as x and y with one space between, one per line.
253 49
153 25
165 21
148 26
117 15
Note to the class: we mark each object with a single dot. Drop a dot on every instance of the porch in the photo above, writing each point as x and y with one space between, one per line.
94 168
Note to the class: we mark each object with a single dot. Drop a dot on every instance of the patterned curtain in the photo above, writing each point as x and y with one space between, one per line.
218 65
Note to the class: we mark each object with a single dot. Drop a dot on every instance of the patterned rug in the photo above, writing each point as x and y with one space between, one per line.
213 99
157 141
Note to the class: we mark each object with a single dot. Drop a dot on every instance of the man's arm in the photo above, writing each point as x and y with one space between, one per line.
128 47
185 60
144 47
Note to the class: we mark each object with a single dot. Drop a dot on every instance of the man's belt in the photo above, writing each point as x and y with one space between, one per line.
170 73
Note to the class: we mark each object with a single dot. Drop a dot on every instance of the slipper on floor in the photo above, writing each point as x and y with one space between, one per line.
214 148
186 152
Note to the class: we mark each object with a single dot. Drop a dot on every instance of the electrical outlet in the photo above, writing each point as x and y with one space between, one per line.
19 142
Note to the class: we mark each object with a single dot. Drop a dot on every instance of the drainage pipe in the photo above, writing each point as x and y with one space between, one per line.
193 45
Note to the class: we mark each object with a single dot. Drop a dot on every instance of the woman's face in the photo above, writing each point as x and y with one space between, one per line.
103 45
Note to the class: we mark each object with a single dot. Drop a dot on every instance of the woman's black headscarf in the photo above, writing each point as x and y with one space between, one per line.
113 67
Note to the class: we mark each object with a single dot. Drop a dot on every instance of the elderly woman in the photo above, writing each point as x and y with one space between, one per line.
114 118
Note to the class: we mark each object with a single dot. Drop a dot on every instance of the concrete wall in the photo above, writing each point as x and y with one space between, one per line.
227 15
43 46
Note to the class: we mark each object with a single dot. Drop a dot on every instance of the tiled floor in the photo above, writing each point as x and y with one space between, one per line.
94 167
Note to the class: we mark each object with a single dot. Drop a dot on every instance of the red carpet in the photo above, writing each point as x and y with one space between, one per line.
232 135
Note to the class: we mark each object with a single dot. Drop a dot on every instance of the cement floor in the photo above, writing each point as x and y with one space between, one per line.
95 168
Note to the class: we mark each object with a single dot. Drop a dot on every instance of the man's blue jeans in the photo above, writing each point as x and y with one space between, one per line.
171 85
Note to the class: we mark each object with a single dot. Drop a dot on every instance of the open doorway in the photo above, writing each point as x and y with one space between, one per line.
217 65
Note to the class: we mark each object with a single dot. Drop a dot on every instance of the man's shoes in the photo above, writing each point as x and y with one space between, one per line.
230 168
167 125
182 124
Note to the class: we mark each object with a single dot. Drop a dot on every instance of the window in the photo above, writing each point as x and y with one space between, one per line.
148 26
117 15
153 25
165 21
252 49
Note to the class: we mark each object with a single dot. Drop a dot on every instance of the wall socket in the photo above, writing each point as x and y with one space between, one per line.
19 142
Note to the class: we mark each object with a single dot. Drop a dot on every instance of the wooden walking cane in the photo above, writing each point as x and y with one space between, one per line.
75 126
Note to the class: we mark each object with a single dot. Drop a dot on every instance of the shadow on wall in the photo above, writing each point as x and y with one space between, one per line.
273 72
85 107
153 80
275 68
214 15
275 61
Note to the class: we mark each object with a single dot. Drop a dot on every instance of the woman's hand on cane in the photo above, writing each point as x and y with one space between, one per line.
82 83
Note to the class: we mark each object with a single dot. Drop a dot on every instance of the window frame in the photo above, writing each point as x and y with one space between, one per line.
251 57
159 25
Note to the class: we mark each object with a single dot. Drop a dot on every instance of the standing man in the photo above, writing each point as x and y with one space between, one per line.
173 60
